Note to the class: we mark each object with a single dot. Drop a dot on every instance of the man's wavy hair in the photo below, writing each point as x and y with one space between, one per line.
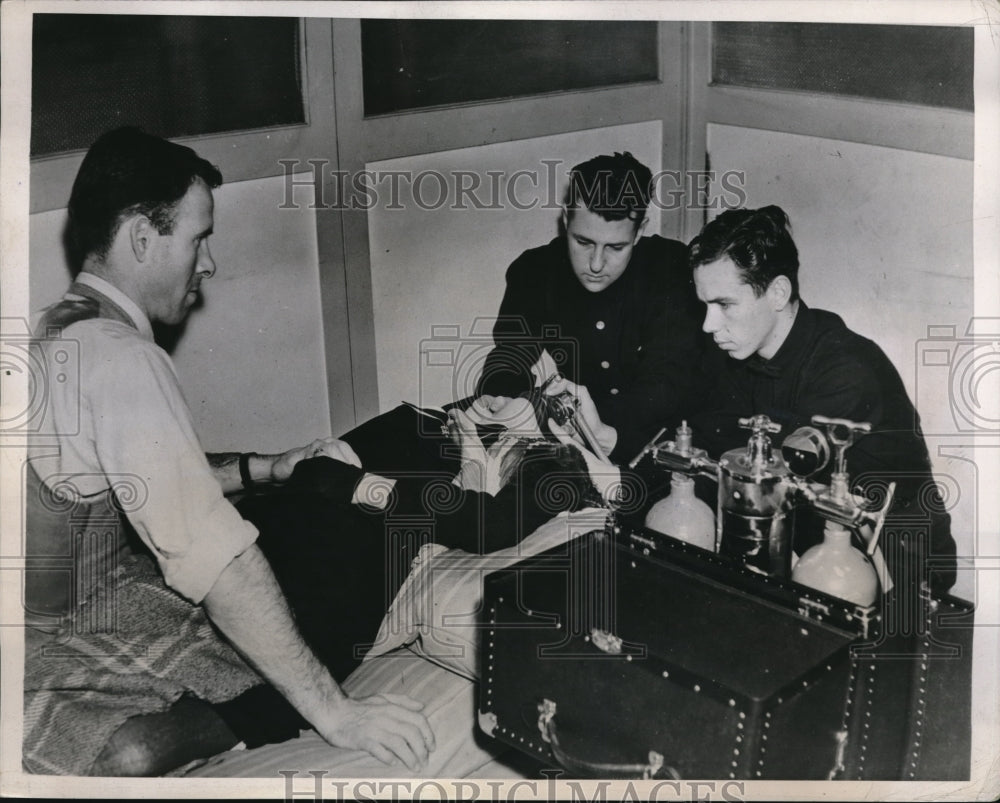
758 241
127 171
615 187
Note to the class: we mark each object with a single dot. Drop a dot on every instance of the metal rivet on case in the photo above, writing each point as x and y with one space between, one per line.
628 657
732 701
666 674
697 688
744 716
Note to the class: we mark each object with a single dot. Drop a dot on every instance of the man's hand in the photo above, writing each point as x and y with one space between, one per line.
389 726
275 467
281 468
607 436
247 605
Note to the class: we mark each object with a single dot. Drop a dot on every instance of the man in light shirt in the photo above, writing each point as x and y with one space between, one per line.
159 555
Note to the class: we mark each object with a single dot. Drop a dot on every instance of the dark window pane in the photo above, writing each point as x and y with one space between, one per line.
927 65
411 64
172 76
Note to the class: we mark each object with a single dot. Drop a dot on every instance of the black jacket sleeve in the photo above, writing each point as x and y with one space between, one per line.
507 370
469 520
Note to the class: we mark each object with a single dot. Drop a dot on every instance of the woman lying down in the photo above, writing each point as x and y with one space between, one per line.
341 539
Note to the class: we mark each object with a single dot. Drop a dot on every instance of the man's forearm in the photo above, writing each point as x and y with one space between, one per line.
226 468
247 605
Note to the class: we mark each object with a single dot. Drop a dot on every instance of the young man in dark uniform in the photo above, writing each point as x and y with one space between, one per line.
779 357
615 310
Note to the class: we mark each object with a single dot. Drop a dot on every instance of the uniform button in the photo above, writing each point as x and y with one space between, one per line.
599 324
605 364
614 391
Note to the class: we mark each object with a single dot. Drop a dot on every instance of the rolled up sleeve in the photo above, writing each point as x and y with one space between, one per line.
144 438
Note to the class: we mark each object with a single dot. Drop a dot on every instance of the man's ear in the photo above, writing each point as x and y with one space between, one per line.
141 233
779 292
640 229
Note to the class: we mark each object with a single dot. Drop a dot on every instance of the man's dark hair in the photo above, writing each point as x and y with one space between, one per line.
614 187
127 171
758 241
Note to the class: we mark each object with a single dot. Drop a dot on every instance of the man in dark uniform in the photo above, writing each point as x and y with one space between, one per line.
614 309
779 357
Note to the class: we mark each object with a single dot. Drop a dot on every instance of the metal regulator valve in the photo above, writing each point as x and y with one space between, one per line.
806 452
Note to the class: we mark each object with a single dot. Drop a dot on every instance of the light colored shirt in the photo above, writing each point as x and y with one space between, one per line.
123 424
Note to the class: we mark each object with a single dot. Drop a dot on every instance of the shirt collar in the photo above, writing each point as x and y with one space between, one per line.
128 306
795 344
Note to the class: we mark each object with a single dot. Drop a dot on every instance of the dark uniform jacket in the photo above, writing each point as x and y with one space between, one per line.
824 368
634 345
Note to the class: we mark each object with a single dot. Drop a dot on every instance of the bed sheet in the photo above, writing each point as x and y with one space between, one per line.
427 648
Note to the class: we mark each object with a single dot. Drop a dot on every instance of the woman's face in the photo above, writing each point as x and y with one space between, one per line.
516 414
489 469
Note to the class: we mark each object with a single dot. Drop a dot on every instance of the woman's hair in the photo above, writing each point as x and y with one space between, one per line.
554 473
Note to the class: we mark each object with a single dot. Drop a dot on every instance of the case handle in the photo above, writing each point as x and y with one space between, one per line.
653 768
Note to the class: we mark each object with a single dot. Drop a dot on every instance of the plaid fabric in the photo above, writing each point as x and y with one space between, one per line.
132 647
